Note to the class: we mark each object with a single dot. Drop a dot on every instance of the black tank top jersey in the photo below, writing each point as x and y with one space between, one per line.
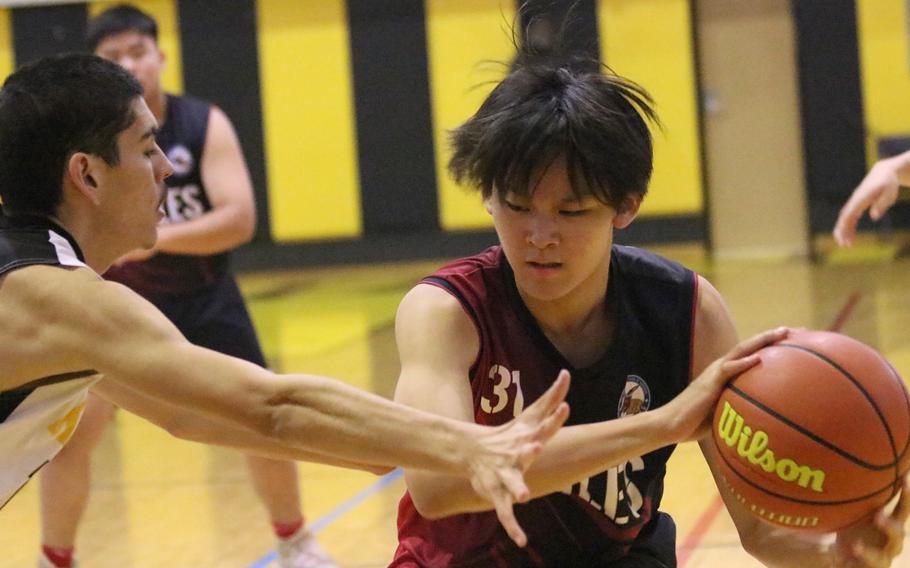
182 138
595 521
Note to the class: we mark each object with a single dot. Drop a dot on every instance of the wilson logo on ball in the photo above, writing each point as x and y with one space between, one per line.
753 446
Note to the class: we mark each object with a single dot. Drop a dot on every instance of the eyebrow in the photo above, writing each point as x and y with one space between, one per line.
151 132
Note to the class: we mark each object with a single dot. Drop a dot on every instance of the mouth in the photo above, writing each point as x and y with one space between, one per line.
544 265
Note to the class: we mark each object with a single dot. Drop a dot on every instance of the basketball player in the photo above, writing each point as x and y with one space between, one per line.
876 194
81 183
208 211
562 155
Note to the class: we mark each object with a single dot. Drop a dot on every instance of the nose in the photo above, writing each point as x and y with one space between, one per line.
542 231
164 168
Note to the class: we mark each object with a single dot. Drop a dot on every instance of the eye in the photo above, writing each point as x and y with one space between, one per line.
515 206
573 212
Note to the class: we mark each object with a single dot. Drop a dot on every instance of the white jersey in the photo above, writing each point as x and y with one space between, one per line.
44 417
37 419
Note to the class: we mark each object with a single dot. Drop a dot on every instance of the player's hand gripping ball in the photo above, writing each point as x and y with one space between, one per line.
815 436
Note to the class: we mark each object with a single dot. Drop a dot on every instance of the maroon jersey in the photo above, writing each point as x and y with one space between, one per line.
182 139
596 520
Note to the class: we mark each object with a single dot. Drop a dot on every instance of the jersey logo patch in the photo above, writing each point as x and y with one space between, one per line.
636 397
181 158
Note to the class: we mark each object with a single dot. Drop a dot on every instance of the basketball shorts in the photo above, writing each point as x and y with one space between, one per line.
215 318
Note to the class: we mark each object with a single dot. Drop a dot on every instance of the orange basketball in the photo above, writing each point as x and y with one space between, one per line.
815 436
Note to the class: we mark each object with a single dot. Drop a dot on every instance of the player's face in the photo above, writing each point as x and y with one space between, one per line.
137 53
134 188
557 242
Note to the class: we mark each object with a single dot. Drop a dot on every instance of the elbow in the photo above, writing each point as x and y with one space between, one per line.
246 226
246 231
380 470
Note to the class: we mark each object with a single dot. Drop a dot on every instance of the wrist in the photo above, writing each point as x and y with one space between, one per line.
663 426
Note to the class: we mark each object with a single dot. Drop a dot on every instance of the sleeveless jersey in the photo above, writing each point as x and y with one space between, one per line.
182 139
36 419
594 521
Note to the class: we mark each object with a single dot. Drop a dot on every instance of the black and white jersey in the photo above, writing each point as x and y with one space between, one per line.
37 419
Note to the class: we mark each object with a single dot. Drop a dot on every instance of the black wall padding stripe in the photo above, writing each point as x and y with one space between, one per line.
831 103
394 123
221 65
575 21
47 30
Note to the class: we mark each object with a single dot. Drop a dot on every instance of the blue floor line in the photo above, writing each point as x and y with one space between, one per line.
338 511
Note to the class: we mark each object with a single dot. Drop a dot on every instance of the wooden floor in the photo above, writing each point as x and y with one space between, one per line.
159 502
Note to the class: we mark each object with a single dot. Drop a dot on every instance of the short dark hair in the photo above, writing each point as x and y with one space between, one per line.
551 105
51 109
119 19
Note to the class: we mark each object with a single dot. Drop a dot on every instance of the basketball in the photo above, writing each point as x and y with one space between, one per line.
815 436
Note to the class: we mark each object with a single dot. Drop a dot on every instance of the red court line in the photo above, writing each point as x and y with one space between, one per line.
698 532
706 519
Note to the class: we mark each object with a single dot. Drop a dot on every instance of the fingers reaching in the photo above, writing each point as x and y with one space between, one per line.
756 342
507 517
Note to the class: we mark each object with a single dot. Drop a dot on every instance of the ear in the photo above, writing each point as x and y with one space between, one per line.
81 172
624 218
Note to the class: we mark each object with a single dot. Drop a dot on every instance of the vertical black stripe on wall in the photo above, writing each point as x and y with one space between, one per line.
47 30
394 123
831 104
571 23
221 65
706 237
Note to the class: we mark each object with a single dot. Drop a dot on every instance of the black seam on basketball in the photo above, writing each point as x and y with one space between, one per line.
805 432
797 499
861 389
903 387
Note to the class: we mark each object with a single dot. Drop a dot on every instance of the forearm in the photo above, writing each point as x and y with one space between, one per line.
217 231
194 427
779 548
306 412
901 167
574 453
332 418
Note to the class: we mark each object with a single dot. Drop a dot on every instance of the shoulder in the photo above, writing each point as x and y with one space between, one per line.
432 323
57 320
189 103
427 302
714 332
645 264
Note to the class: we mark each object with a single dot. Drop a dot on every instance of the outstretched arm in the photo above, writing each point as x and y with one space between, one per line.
876 193
104 326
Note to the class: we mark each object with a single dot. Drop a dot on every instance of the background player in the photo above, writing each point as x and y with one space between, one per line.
81 183
209 210
562 155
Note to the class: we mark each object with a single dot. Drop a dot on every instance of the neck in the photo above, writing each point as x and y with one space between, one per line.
576 313
98 255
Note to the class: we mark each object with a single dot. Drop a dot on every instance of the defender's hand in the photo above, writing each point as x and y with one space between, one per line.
505 452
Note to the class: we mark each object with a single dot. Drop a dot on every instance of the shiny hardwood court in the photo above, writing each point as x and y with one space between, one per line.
158 502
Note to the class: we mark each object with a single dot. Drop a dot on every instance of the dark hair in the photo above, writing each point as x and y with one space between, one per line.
50 109
119 19
551 105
